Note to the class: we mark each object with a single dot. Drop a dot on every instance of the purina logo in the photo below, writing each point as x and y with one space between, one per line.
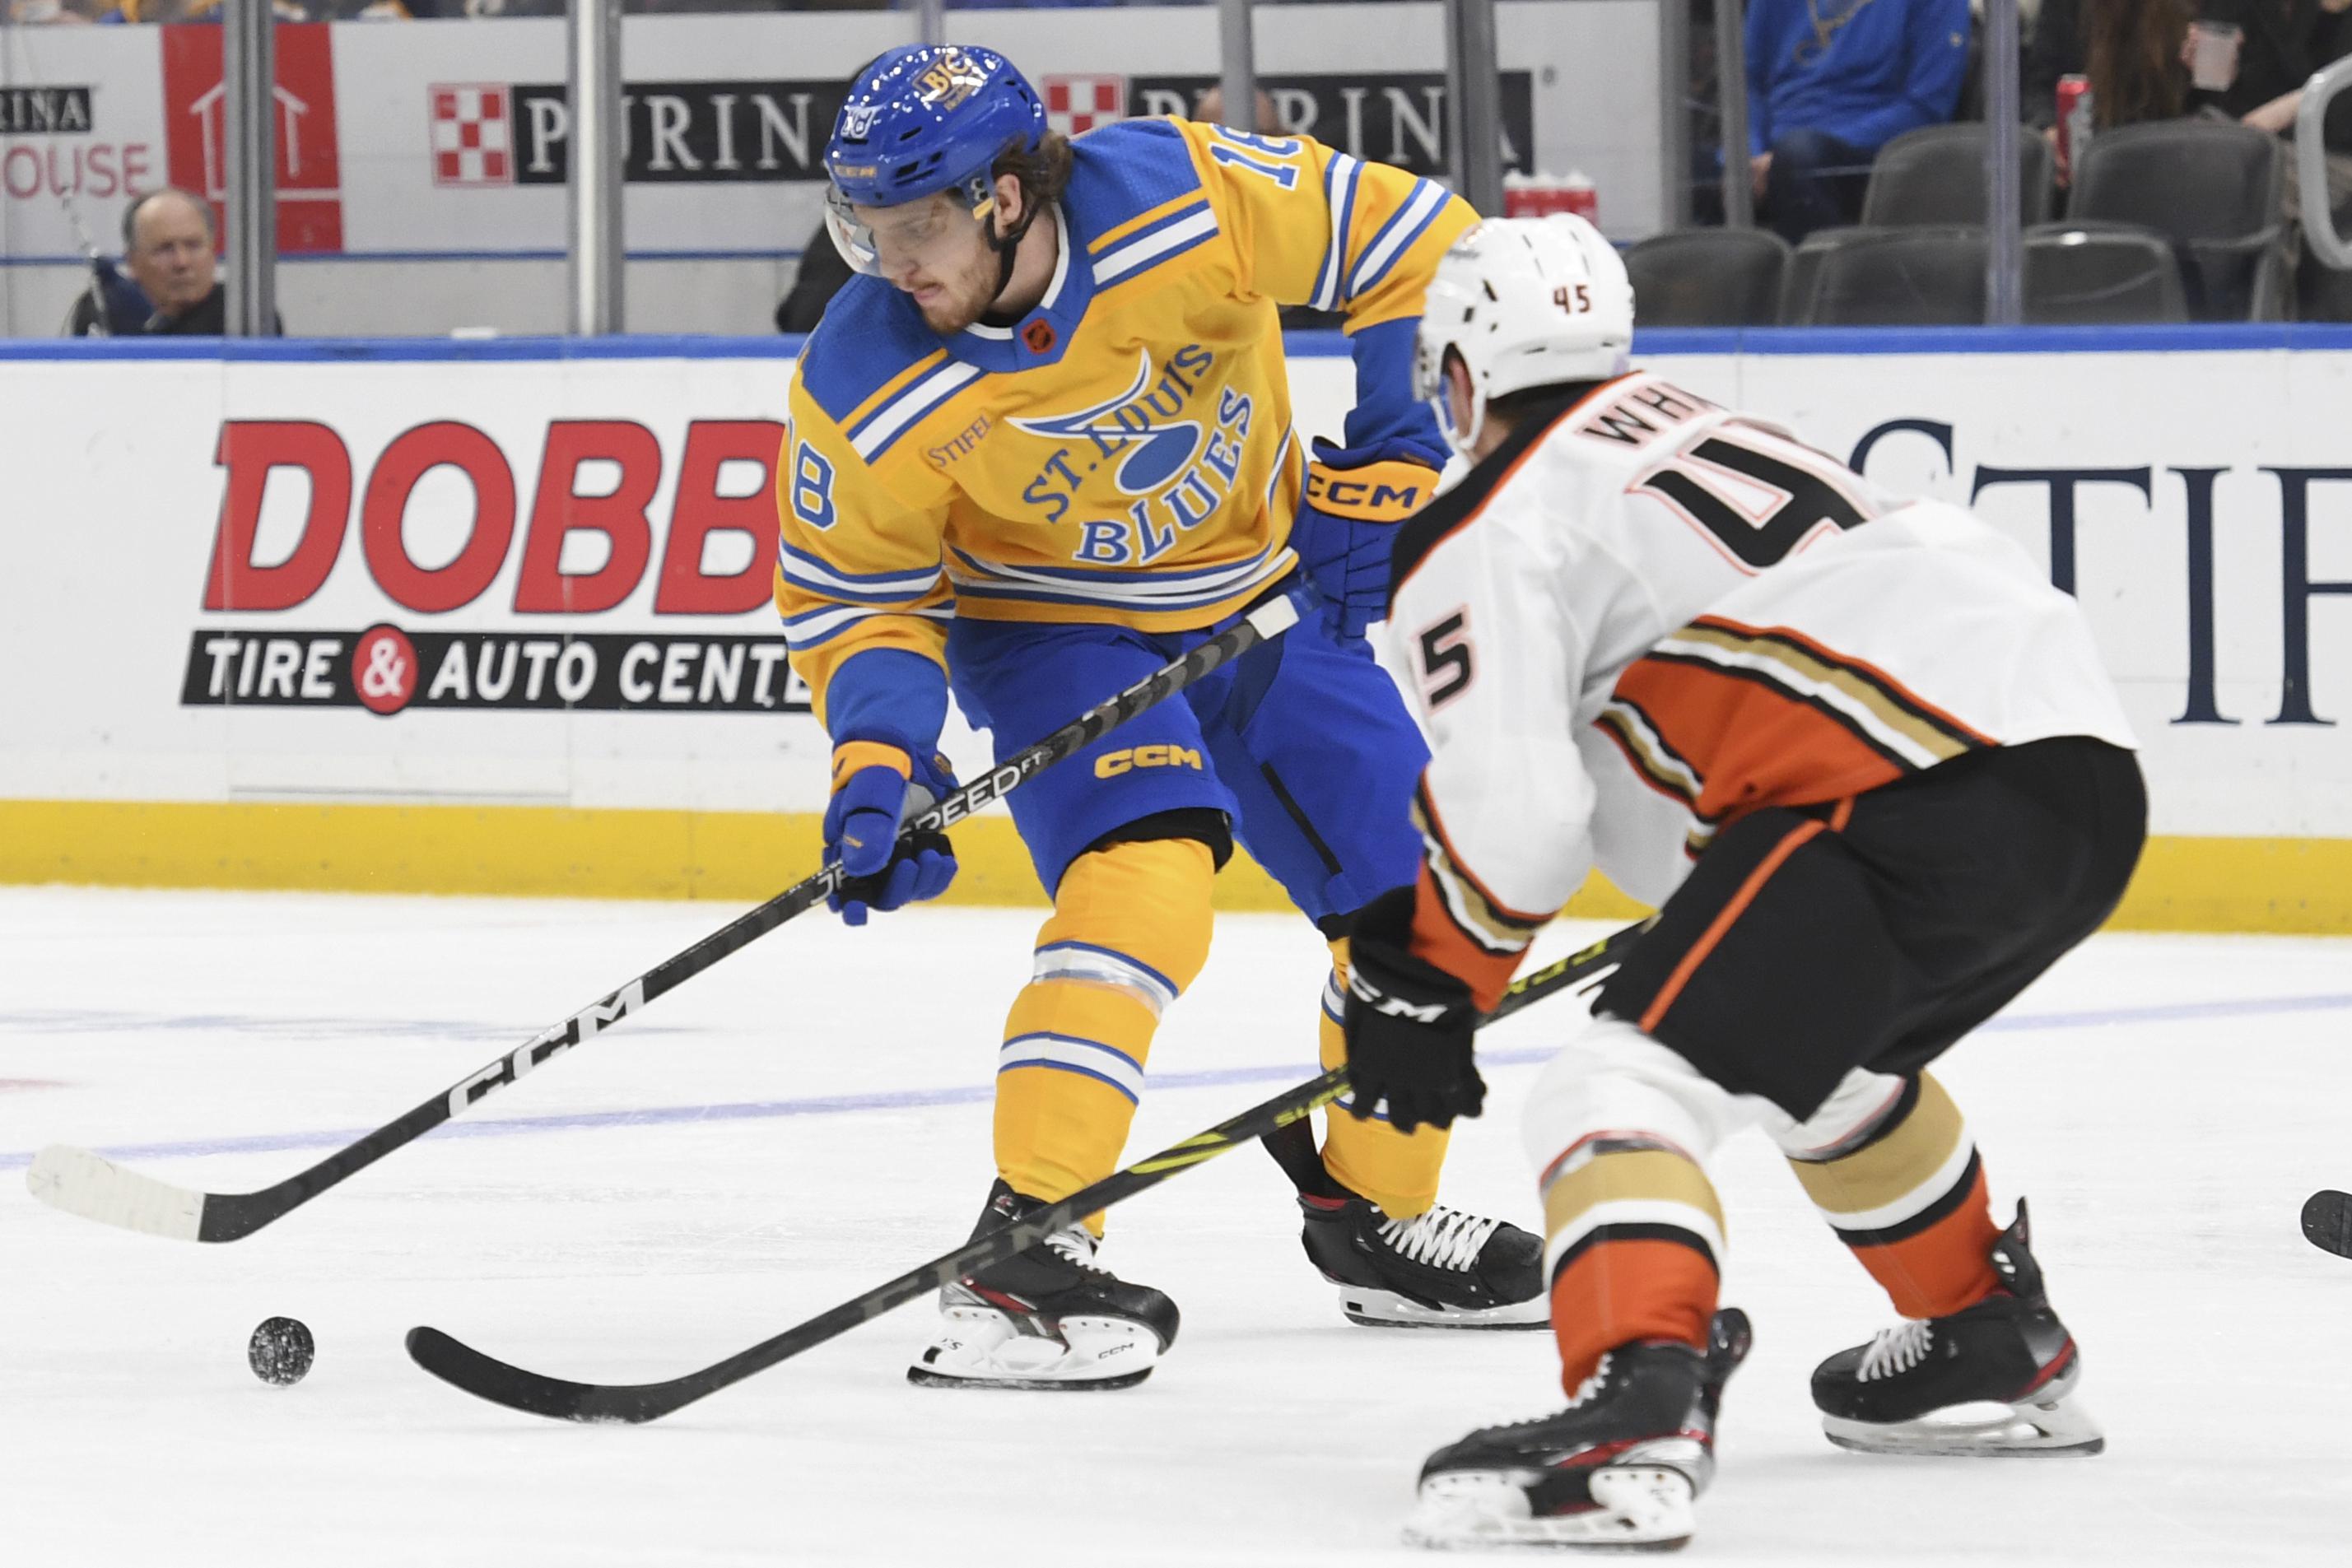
473 134
1076 104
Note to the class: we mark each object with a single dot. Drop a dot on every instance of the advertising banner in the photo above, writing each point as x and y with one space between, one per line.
452 140
490 579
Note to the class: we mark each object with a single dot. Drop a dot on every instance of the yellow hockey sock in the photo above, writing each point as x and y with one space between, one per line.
1396 1170
1129 932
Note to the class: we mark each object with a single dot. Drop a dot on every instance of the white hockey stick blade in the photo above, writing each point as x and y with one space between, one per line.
97 1189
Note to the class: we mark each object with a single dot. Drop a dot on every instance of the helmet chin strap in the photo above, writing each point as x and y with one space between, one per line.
1006 245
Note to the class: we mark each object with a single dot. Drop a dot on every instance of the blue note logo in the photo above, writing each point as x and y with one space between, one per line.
1139 427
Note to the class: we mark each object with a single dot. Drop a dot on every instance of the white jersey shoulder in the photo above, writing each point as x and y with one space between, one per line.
1659 613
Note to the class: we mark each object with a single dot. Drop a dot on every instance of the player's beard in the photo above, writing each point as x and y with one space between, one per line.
962 300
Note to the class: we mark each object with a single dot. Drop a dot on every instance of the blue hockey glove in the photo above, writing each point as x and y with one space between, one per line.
1348 519
877 784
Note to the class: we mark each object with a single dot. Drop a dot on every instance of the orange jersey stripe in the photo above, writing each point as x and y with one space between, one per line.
1752 744
1438 939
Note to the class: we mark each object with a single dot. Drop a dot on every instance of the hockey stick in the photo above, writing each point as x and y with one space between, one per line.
459 1364
89 1185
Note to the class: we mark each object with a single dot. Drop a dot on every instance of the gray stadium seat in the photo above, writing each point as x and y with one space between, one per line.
2090 274
2213 188
1936 174
1707 277
1923 276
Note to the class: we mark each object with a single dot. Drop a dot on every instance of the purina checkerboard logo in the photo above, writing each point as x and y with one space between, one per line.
473 134
1075 104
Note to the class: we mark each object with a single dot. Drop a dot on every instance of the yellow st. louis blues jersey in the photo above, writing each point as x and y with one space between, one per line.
1123 453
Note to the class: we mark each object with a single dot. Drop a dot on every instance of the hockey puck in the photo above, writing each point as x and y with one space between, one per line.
2327 1221
281 1351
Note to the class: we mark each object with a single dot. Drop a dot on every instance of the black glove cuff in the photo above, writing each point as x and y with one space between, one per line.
1379 952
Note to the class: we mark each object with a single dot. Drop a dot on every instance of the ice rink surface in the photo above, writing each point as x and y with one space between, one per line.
811 1117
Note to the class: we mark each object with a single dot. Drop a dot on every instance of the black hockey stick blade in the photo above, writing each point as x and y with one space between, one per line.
93 1186
487 1377
2327 1221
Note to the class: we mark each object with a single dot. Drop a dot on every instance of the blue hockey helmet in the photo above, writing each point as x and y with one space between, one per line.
926 118
921 120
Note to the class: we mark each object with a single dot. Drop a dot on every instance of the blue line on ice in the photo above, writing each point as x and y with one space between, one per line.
973 1094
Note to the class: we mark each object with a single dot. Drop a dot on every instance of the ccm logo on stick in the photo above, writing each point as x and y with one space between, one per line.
586 1024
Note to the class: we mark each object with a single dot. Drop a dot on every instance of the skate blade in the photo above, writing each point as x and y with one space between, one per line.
924 1377
1387 1310
1639 1508
981 1348
1995 1431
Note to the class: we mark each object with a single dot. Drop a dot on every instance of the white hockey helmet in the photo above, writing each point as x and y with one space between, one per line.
1525 302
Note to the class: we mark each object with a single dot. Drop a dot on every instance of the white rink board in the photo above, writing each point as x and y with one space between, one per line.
103 571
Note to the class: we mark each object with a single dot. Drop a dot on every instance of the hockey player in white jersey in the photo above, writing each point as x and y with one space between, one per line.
1863 759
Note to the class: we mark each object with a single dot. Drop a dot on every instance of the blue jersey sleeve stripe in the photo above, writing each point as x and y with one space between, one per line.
1339 194
894 418
1156 244
1060 575
815 628
870 334
1396 236
816 572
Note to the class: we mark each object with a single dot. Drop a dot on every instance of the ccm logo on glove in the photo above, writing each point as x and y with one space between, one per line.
1394 1007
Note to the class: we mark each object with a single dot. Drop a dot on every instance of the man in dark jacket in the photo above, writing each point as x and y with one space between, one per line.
167 251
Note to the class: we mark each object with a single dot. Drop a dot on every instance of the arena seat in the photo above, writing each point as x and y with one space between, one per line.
1920 276
1707 277
2084 274
1936 174
2213 189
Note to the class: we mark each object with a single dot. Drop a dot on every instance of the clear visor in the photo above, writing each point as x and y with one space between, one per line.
927 236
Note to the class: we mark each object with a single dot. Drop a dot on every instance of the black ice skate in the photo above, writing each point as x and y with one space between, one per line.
1440 1268
1046 1320
1992 1379
1619 1468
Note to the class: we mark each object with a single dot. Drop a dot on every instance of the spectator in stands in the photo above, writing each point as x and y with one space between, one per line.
167 249
1267 121
2131 50
1832 82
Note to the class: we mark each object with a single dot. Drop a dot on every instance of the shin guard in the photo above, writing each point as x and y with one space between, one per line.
1129 932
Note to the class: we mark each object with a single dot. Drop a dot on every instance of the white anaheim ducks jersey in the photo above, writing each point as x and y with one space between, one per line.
1648 616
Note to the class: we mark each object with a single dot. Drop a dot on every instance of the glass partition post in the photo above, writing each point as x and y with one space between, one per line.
1237 47
1474 105
2004 222
594 190
1674 101
249 123
1731 101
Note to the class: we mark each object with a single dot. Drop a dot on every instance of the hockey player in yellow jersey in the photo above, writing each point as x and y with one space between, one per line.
1038 448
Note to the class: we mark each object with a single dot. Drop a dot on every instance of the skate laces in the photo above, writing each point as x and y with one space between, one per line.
1898 1350
1075 1247
1440 1236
